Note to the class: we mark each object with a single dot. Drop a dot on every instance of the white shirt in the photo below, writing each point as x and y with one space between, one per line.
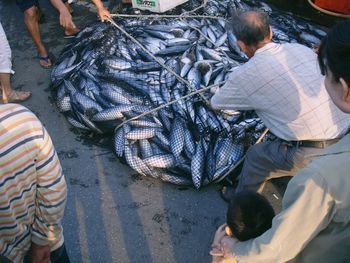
283 84
5 53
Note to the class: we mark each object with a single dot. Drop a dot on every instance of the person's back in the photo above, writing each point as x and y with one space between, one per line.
284 84
32 186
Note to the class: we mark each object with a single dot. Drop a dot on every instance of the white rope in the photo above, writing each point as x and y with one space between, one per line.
156 16
169 103
179 78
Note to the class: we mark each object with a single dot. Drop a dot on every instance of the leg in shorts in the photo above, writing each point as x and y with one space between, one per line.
26 4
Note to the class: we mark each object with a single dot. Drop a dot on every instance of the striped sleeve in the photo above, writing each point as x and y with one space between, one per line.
51 194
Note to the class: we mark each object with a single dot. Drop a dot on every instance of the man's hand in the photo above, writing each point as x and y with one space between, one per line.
39 254
103 13
66 19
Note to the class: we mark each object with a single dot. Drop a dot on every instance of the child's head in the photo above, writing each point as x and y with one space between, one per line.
249 215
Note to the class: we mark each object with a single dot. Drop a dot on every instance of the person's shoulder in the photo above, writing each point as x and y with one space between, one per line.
12 107
12 110
297 47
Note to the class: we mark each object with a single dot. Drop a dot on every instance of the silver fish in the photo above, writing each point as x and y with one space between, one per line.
136 163
145 149
177 137
77 124
160 161
119 142
141 133
108 114
197 165
145 123
118 64
177 42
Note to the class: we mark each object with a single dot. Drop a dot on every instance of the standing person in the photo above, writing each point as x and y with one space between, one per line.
7 93
32 15
314 224
282 83
32 190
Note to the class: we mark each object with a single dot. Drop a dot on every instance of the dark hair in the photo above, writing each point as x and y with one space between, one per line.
251 27
334 52
249 215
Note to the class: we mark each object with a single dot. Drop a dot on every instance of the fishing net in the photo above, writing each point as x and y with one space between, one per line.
148 81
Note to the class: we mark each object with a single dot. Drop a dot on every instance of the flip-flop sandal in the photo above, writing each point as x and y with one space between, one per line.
71 35
18 96
47 60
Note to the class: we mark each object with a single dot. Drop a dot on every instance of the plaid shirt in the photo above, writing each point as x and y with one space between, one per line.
283 84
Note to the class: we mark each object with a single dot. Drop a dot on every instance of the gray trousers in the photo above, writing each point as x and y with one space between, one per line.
267 160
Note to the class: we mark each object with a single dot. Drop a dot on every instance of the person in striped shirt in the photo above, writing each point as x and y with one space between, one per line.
32 189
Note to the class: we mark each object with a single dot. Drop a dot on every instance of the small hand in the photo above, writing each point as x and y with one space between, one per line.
219 234
103 13
227 244
39 254
215 246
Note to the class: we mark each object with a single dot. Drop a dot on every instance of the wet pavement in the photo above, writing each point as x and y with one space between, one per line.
112 213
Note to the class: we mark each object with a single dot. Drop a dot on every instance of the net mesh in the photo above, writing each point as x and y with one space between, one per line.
148 82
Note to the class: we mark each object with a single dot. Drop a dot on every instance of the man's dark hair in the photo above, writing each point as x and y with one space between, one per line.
334 52
251 27
249 215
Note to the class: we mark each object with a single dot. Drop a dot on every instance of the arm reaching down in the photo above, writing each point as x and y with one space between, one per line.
103 13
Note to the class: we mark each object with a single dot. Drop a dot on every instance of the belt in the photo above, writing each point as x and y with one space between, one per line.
314 144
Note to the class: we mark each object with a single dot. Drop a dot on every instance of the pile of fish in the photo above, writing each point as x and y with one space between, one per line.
104 81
